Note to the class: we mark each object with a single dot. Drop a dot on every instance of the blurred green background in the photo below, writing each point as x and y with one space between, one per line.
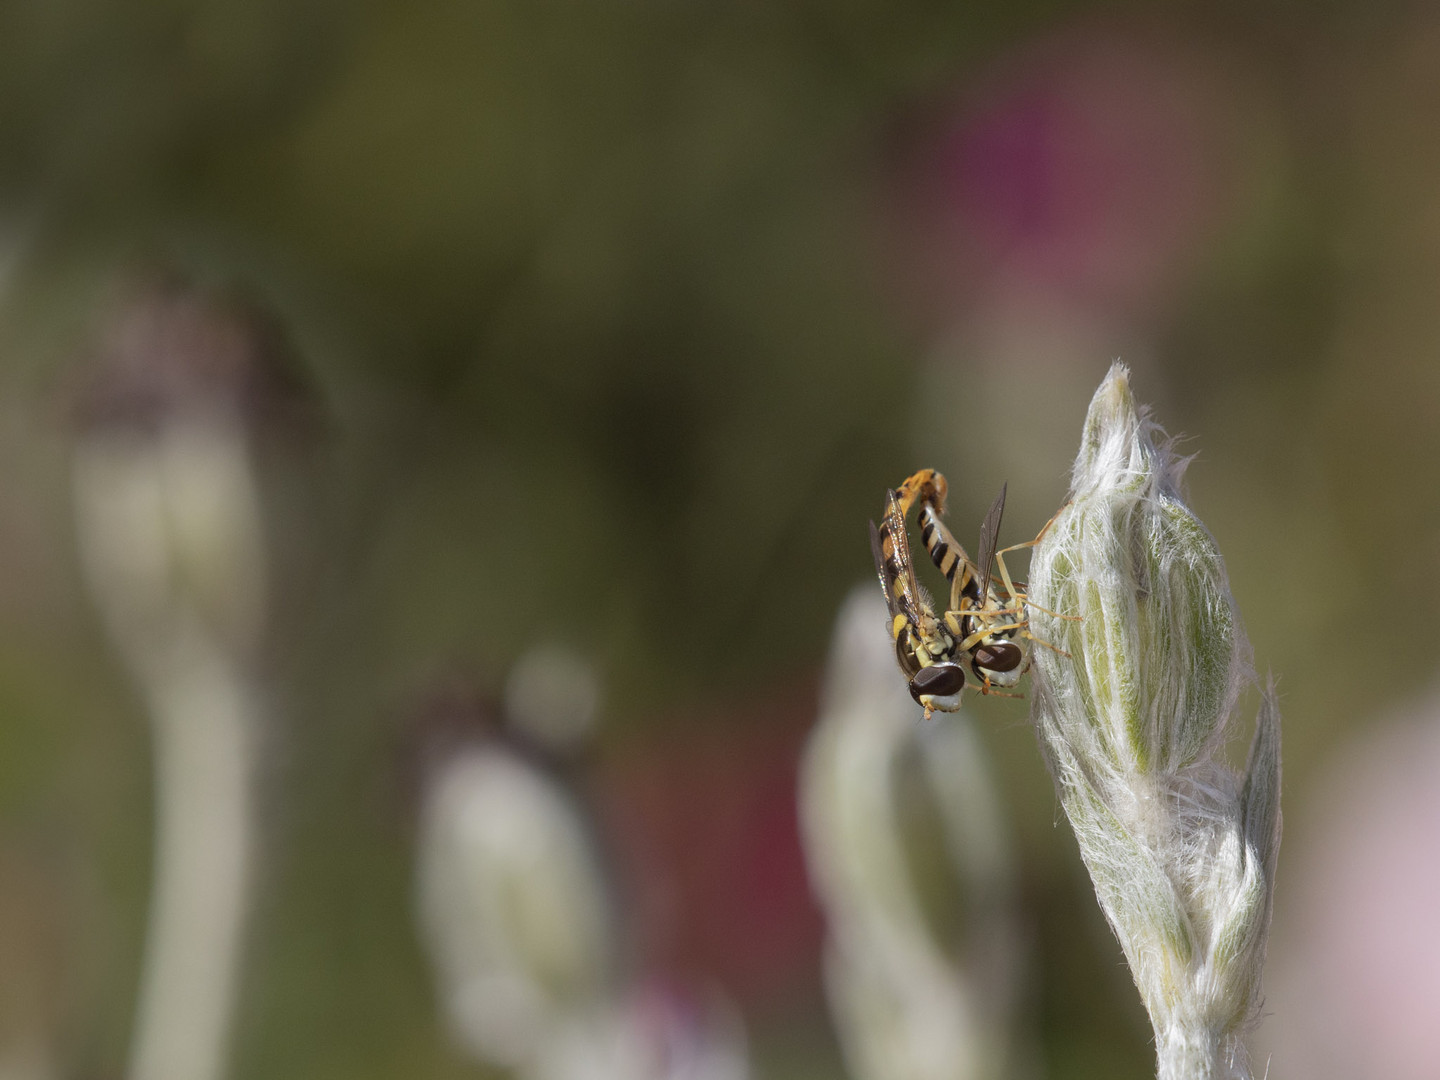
619 319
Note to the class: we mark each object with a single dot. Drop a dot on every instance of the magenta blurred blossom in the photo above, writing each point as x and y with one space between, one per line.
708 835
1093 163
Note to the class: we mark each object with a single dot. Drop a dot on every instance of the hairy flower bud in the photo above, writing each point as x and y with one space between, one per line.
1133 723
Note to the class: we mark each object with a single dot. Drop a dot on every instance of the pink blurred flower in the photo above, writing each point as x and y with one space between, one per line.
709 839
1093 163
1356 988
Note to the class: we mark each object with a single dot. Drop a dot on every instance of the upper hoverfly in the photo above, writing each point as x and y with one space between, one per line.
982 634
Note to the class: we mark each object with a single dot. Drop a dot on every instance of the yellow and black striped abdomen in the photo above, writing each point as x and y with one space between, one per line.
947 554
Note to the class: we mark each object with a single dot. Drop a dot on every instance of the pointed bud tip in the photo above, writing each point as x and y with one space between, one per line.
1110 418
1118 448
1113 400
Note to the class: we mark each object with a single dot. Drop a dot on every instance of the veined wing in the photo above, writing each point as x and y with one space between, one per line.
989 534
887 582
891 549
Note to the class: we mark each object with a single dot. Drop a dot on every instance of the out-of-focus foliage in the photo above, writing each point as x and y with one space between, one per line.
619 318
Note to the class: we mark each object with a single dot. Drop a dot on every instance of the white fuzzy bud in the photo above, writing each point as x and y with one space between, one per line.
1134 724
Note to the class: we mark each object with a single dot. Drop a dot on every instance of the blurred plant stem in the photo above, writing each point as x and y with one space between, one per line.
907 850
1134 717
206 719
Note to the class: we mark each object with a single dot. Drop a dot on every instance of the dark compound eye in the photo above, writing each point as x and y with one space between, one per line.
905 652
938 680
999 656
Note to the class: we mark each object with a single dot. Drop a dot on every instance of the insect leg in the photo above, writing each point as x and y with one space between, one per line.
1022 598
986 631
1042 641
1000 561
1046 611
1010 589
992 692
1041 534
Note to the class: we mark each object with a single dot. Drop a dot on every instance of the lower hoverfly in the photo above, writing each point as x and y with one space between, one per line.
982 634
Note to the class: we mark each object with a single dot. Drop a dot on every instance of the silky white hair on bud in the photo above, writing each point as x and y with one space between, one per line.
1134 722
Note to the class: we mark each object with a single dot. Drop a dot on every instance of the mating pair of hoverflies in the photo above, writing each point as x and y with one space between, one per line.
983 635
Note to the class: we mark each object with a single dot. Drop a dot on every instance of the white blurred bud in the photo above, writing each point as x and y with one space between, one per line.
169 527
171 537
513 907
923 957
1134 723
167 502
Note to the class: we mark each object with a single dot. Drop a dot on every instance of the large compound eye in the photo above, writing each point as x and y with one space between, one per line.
938 680
905 652
998 656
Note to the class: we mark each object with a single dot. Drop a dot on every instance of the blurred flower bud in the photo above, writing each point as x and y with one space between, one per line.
923 957
169 515
513 906
172 540
1134 723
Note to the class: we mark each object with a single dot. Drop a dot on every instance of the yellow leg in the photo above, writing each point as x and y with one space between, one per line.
980 635
1025 602
992 692
963 612
1004 573
987 612
1023 597
1042 641
1053 614
1000 555
1038 536
989 628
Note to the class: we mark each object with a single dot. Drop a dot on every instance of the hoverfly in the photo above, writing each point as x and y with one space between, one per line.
983 631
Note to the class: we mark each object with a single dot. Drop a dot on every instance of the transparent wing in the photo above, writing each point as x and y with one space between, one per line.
891 549
906 585
887 582
989 534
